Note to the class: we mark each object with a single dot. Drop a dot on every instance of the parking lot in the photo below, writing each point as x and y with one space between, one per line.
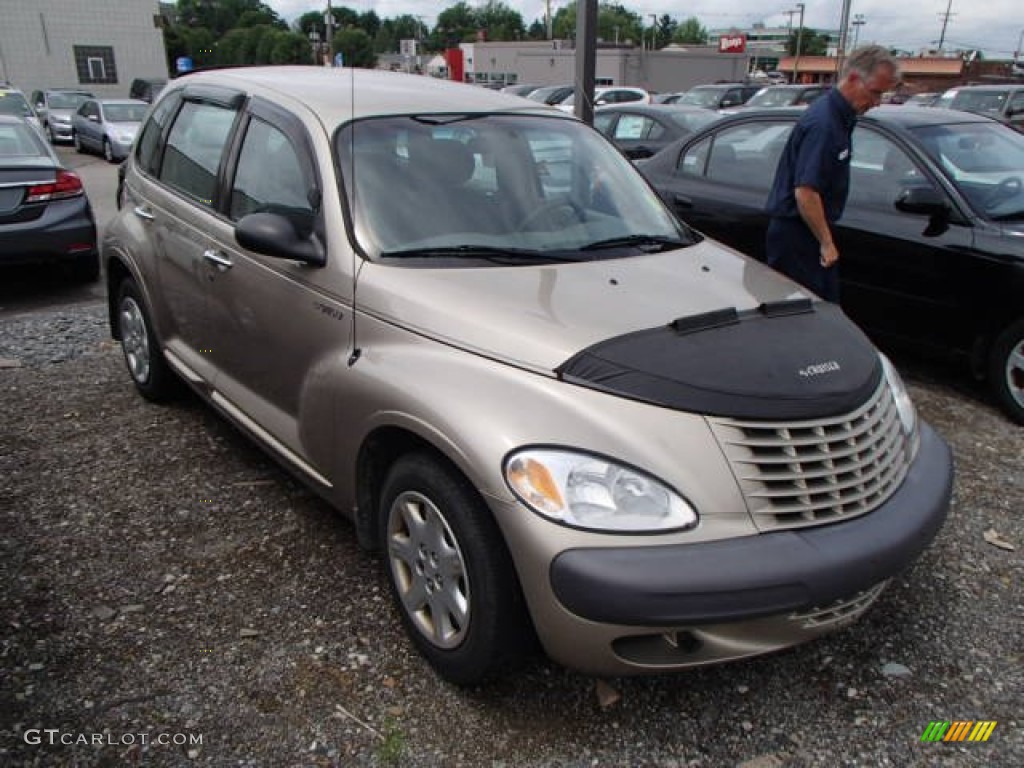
165 578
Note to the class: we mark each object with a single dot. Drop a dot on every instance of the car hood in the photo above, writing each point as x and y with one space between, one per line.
630 325
64 115
125 128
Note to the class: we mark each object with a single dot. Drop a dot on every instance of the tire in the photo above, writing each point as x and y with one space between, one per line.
50 134
146 365
450 573
77 142
108 153
1006 370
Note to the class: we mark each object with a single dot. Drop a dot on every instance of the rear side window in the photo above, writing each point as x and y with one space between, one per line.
194 150
148 145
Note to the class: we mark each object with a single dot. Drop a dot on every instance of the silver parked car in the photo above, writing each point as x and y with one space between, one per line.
468 323
55 107
107 126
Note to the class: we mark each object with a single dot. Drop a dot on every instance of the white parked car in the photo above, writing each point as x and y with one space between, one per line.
618 94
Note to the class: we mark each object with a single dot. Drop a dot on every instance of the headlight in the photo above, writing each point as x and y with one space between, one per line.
125 138
904 407
594 493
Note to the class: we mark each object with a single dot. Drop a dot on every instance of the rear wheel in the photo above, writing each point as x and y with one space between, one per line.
1006 370
450 572
150 372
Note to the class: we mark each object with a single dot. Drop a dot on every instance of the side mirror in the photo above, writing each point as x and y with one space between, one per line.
921 200
274 234
600 103
93 119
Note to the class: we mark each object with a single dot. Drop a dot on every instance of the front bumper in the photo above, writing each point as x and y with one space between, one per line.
61 131
738 597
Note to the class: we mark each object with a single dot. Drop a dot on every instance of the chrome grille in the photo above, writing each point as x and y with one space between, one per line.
797 474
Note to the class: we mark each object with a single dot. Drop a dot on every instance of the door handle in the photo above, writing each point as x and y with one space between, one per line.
221 261
143 213
682 201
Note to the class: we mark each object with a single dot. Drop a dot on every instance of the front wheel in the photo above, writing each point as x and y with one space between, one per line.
1006 370
77 142
108 152
150 372
450 572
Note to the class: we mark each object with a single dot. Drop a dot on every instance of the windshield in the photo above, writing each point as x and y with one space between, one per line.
985 160
526 187
702 97
67 100
13 103
980 101
125 113
774 97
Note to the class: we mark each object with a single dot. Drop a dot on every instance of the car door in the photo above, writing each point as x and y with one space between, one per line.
721 181
275 322
90 129
176 201
902 273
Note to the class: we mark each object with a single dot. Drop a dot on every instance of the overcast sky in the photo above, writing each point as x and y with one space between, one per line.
993 26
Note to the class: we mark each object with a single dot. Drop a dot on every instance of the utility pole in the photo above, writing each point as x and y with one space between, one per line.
844 28
799 40
945 22
547 17
858 22
329 33
654 31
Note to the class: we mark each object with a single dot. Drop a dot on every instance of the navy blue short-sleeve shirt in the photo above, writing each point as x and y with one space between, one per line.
817 155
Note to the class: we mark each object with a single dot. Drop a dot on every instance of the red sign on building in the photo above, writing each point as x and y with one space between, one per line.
732 44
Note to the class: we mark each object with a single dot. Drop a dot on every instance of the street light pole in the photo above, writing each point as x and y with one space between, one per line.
799 40
858 22
654 30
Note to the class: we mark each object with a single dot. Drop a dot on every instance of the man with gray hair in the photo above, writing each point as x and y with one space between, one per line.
813 176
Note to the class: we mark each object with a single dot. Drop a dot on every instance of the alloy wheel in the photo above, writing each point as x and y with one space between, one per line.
135 339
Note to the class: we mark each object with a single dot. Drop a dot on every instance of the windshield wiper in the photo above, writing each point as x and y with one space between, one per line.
656 243
486 252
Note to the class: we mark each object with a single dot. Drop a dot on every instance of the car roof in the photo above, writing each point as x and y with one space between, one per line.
887 114
989 87
337 95
653 109
130 102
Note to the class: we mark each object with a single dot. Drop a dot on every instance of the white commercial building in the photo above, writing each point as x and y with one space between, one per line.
95 45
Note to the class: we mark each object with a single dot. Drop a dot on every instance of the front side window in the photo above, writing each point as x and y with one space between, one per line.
194 150
13 103
270 177
879 170
497 188
637 127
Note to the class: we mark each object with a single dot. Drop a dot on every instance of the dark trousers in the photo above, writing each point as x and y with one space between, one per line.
792 249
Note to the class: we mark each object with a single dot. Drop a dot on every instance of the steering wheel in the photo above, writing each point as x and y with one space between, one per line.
1004 190
557 212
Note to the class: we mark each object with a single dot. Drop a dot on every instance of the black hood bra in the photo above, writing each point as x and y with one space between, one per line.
786 360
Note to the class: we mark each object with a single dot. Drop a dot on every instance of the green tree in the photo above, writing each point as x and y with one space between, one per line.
355 46
614 22
812 43
667 27
456 24
499 21
691 32
219 16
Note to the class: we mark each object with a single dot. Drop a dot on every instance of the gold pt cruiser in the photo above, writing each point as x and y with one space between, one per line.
466 321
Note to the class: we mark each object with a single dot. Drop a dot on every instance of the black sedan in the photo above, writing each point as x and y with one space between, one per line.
44 213
641 130
932 240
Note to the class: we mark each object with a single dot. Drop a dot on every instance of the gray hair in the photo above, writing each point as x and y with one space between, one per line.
867 60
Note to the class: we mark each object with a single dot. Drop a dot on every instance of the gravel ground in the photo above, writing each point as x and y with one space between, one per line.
163 578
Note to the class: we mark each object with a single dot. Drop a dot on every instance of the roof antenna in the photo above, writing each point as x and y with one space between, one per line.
356 351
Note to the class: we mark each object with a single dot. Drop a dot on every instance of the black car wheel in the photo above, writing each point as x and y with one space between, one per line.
77 142
151 374
450 572
108 152
1006 370
50 134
